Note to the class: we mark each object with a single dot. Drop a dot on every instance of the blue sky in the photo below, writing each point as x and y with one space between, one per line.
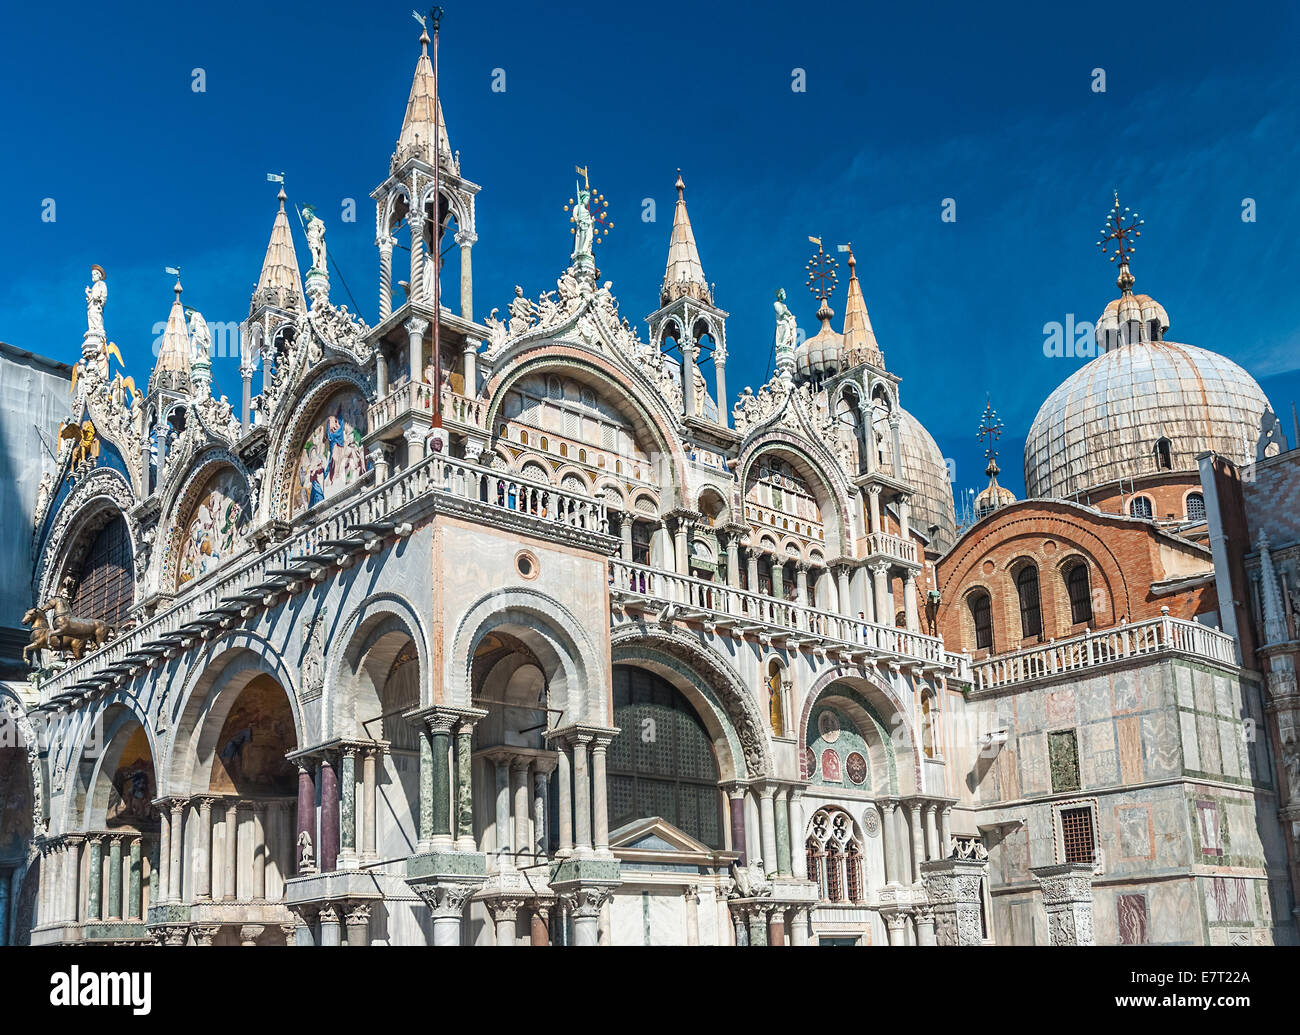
991 107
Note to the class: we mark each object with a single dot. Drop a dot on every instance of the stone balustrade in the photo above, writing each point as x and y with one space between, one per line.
1078 653
887 545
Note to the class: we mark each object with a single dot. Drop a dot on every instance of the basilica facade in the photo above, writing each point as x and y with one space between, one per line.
521 630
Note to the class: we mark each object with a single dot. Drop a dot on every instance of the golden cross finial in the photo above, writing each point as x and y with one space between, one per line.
1119 232
821 272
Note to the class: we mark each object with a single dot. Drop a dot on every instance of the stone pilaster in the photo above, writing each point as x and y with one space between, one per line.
953 887
1067 897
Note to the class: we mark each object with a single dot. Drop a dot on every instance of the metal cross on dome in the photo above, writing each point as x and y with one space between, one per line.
990 430
821 272
1120 233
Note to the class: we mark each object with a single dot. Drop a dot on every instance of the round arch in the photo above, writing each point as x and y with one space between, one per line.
96 500
832 499
371 638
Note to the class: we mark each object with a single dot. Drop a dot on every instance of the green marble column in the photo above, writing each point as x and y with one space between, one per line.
782 835
136 901
155 861
465 783
115 878
757 928
348 803
441 739
95 879
426 790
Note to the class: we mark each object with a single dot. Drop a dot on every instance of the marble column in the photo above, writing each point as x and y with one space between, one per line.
331 929
440 741
426 791
845 600
740 935
357 922
752 568
909 602
505 916
203 876
385 244
582 795
505 854
466 241
231 886
599 795
767 823
415 222
945 833
798 858
757 928
880 582
932 832
782 808
134 908
917 834
888 836
175 846
538 932
115 910
369 812
306 817
95 878
924 919
329 816
736 811
258 891
585 911
873 507
521 789
692 896
565 817
465 787
902 842
541 800
720 376
798 927
348 808
164 851
776 927
896 923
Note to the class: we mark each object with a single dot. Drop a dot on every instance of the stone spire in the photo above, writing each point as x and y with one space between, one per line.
1270 596
683 276
280 284
172 370
418 125
860 344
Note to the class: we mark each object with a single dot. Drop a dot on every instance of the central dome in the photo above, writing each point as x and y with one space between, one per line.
1139 409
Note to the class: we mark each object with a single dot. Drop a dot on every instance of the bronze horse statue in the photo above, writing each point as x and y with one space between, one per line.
70 633
43 637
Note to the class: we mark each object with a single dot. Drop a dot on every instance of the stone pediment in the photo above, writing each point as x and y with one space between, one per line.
657 835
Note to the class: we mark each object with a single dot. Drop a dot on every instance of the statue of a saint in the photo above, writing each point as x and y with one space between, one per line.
200 339
315 238
582 225
521 312
96 296
786 328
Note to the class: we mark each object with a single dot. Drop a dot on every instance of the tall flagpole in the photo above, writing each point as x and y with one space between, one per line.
435 14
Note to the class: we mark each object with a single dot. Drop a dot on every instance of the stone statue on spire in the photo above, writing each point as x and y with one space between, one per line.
96 297
583 226
315 231
787 333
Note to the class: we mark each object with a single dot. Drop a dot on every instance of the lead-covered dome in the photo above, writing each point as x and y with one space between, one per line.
933 513
1140 408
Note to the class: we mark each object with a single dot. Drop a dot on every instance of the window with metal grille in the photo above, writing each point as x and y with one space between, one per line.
853 872
816 872
1195 507
106 587
640 542
981 611
1076 835
1031 614
1140 507
834 886
664 764
1076 584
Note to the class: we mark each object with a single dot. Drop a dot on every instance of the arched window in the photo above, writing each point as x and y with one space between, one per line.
1195 507
981 612
775 705
1076 584
105 588
1031 613
1164 454
834 856
1140 507
672 774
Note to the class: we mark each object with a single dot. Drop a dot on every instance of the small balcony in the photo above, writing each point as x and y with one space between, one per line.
893 547
1163 635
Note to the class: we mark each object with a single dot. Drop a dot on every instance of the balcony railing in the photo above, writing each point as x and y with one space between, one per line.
1154 636
222 599
740 608
405 397
461 409
891 546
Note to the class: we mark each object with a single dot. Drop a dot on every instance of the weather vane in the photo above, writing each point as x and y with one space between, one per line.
597 209
1123 234
821 273
990 430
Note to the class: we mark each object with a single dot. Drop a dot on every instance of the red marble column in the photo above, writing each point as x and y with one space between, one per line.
538 933
737 807
329 815
776 928
306 812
